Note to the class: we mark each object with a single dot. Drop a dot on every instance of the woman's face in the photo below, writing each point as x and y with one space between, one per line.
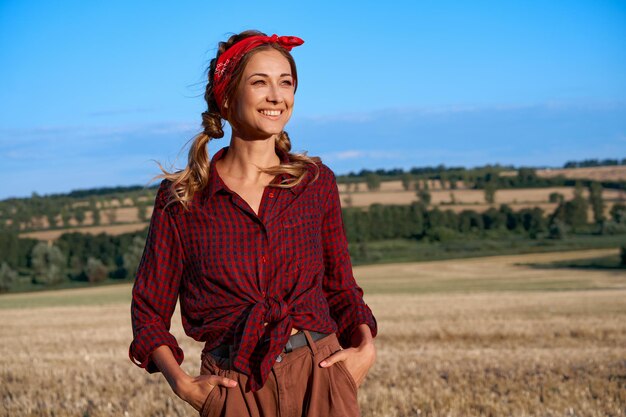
263 102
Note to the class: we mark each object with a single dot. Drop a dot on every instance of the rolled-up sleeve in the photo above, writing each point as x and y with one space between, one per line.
345 297
156 287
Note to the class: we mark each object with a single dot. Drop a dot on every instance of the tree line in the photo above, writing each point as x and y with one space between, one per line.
72 257
587 163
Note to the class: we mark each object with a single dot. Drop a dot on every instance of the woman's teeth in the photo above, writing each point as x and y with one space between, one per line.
271 112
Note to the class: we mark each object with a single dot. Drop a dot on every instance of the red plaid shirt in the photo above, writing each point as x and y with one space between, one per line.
233 270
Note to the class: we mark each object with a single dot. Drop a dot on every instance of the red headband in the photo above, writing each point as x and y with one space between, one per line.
229 60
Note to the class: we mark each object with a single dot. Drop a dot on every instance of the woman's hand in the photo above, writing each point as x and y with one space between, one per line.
357 359
195 390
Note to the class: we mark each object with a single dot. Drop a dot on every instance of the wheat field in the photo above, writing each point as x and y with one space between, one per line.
474 337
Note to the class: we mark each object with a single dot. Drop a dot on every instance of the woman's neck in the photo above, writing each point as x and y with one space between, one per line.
244 158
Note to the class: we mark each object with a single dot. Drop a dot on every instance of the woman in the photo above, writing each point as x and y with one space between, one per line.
253 243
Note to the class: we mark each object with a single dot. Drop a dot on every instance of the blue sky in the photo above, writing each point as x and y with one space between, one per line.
92 92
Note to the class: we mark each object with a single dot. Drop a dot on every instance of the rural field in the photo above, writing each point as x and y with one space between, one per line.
489 336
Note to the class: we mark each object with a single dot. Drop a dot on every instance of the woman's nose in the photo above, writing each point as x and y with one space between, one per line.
274 94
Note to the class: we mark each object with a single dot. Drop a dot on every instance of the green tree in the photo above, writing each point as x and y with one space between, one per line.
618 213
7 277
578 190
596 201
52 221
511 220
407 181
494 219
132 256
571 213
48 264
556 198
527 176
415 223
95 213
142 212
533 221
557 229
373 181
575 212
470 221
380 222
95 270
490 192
424 197
79 215
111 215
66 216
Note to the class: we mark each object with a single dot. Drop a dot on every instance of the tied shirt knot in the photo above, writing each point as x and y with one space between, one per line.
275 310
256 339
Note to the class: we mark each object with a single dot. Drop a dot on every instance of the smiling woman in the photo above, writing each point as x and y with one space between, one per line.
253 243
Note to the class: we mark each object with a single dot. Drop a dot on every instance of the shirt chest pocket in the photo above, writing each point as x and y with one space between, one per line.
301 241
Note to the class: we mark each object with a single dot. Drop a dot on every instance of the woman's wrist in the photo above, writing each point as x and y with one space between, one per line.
181 384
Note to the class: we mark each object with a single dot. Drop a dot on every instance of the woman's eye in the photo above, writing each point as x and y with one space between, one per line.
287 82
258 82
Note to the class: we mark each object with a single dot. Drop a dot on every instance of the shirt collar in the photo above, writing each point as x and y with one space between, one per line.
216 183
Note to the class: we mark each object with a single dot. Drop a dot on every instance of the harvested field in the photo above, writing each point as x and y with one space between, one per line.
438 197
116 229
472 337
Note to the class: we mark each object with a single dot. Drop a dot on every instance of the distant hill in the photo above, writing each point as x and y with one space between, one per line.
118 210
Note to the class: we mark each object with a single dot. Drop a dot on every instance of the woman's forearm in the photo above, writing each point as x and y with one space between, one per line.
164 359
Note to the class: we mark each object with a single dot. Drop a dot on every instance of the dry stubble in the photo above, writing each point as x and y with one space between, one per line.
449 349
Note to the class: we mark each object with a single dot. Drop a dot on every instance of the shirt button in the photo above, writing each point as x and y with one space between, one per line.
271 195
263 259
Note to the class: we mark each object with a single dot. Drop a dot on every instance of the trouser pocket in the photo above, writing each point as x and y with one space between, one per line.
214 401
342 367
212 405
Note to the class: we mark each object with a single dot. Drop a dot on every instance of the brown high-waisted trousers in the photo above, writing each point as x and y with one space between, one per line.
296 387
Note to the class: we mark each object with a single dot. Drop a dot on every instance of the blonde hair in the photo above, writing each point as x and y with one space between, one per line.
195 177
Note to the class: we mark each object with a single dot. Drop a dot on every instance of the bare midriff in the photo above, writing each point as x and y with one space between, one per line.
293 329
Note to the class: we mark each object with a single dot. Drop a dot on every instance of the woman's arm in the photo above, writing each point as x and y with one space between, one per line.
155 293
344 296
356 323
193 390
157 282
